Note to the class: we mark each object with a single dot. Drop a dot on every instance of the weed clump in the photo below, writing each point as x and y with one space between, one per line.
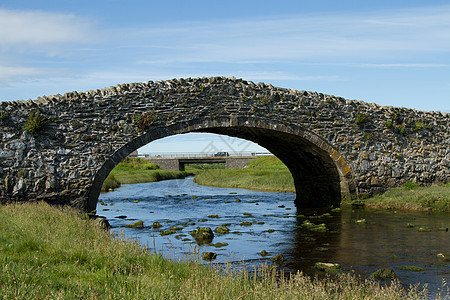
145 120
361 118
35 123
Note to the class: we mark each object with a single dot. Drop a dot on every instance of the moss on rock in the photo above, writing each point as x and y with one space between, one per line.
138 224
222 230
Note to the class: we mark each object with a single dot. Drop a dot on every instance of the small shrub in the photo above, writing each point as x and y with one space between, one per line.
145 120
361 118
418 126
388 124
35 123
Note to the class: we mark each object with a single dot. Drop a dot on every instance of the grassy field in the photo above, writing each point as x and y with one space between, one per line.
265 173
138 170
53 253
413 197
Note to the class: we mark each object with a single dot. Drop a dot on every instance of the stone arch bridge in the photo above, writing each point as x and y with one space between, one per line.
61 148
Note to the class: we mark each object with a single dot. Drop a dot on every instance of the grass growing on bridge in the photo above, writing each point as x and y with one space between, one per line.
414 197
265 173
138 170
52 253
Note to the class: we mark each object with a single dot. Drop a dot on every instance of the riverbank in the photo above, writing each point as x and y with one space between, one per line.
138 170
413 197
264 173
48 252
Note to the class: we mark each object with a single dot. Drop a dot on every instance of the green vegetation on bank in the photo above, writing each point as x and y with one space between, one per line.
138 170
264 173
413 197
59 253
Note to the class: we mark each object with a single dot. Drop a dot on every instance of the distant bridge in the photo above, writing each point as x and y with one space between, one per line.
178 161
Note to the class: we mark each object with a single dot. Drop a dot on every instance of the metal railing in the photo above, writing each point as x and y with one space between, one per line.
200 154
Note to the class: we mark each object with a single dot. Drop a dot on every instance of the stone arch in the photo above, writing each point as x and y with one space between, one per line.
319 171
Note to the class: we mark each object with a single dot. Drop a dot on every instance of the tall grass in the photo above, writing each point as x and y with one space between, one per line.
265 173
50 253
413 197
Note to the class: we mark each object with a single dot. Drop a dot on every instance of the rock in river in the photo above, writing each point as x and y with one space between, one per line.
202 235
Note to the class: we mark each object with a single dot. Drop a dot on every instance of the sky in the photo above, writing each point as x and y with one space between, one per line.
389 52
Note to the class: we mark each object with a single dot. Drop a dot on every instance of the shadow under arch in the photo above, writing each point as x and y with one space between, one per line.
321 175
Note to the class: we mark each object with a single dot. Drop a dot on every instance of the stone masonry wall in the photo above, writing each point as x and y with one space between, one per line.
83 132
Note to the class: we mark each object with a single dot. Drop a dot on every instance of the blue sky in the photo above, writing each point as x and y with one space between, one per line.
387 52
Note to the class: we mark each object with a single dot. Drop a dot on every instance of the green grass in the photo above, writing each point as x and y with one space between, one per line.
265 173
138 170
35 123
413 197
58 253
267 162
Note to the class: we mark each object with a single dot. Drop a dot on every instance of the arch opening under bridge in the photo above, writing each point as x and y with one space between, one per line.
321 176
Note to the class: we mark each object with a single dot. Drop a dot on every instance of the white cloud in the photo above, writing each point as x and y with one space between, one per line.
34 28
387 34
8 72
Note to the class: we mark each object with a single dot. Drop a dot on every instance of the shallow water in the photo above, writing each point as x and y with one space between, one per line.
383 240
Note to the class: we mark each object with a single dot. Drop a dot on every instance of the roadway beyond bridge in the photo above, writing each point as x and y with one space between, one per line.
61 148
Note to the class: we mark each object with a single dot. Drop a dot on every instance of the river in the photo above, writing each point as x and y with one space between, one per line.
361 240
